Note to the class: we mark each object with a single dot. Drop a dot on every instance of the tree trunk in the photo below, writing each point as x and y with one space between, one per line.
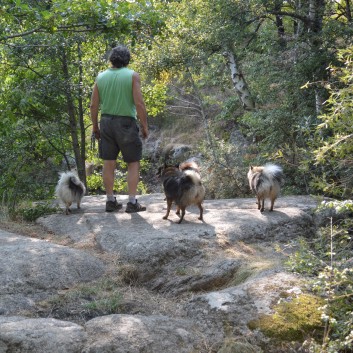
298 26
280 25
80 163
80 114
280 31
348 11
240 86
319 101
315 15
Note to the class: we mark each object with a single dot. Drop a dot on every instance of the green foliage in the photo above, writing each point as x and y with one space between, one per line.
282 126
95 181
106 305
307 259
327 260
51 54
339 207
223 172
105 296
99 298
155 96
28 169
32 212
52 51
333 153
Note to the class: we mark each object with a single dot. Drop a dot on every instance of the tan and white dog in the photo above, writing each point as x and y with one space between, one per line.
265 182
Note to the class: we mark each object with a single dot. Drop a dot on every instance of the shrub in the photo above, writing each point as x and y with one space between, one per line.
328 260
223 172
34 211
95 181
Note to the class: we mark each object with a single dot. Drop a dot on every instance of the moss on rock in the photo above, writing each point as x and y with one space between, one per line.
293 320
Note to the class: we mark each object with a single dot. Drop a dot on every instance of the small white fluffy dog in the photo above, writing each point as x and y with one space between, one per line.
70 189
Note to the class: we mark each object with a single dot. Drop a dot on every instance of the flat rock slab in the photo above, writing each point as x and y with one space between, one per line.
228 262
112 333
158 248
141 236
135 334
247 300
30 266
22 335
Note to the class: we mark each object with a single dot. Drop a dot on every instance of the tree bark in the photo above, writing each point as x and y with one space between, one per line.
80 163
315 15
239 84
80 115
348 11
280 25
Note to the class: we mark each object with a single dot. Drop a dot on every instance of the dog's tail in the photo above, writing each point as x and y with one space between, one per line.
192 177
191 172
274 171
191 165
72 181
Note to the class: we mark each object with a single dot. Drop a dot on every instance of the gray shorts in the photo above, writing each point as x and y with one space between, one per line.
119 133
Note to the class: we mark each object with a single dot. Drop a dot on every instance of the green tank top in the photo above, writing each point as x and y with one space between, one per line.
115 92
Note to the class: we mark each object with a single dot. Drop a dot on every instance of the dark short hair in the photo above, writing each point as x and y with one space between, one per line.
119 56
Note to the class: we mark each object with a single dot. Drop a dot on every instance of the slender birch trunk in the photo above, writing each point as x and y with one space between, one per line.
240 86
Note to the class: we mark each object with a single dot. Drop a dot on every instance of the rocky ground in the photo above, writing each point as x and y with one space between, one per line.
116 282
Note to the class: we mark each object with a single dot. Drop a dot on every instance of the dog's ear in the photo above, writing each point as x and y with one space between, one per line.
251 167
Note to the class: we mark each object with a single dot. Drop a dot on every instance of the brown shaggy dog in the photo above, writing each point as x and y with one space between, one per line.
265 182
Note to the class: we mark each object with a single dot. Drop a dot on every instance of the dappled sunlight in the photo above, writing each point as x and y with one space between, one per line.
218 262
131 325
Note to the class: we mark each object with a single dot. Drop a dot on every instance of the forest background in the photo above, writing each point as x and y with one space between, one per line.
276 74
242 81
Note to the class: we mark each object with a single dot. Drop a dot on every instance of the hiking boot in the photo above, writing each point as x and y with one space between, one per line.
134 207
111 206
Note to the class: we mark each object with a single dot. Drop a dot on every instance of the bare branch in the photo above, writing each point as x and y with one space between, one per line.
187 102
183 107
72 28
23 34
304 19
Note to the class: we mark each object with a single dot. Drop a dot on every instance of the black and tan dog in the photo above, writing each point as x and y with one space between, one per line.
182 185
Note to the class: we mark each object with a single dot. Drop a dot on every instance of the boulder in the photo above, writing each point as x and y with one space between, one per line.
23 335
31 267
